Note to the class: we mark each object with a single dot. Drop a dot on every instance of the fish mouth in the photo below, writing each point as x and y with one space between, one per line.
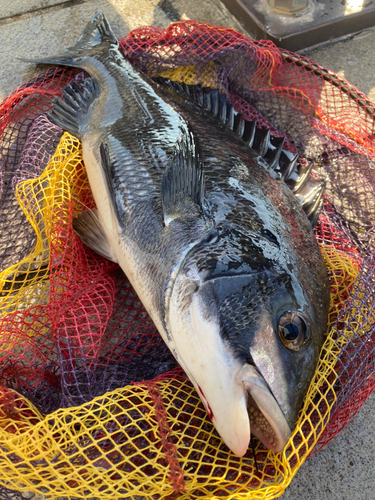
267 421
249 408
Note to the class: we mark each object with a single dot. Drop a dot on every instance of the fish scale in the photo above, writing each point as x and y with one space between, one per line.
207 232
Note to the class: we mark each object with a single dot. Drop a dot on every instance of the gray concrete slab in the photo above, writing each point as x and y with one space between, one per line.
19 7
353 60
344 469
50 31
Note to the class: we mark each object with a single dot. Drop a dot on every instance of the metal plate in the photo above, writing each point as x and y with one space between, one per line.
325 21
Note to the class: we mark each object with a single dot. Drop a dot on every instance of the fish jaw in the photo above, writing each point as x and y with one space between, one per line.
210 367
267 420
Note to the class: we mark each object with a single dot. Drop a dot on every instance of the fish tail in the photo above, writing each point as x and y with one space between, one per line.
95 39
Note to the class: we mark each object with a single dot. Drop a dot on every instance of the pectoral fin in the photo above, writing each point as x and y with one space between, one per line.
183 181
106 165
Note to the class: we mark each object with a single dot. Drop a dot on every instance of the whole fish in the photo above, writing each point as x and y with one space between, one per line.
211 220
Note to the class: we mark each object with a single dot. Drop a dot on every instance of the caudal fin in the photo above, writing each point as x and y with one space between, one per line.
96 38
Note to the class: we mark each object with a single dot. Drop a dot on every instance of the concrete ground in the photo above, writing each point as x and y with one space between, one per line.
345 468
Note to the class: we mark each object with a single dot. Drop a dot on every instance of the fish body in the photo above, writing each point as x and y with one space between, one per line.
214 242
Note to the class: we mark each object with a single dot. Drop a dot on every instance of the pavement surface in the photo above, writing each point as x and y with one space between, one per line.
345 468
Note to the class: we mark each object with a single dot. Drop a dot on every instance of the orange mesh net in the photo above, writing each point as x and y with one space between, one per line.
92 403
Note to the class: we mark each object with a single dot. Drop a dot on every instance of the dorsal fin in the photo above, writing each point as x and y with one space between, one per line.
260 140
270 147
304 172
312 199
273 154
288 163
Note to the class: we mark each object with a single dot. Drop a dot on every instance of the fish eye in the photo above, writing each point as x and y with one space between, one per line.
293 330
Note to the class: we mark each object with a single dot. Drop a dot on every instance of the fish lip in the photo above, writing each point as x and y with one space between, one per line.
267 421
237 435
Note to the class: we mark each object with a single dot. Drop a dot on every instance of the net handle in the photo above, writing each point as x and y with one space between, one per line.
335 80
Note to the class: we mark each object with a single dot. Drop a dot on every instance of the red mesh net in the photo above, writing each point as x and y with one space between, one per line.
80 330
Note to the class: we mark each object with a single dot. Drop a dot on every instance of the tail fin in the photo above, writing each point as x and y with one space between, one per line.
96 38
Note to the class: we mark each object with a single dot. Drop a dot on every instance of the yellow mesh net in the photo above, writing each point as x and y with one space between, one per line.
43 201
208 76
145 438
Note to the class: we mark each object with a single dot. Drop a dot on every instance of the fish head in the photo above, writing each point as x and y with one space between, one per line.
249 338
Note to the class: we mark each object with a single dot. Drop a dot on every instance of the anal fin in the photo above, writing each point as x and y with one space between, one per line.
89 229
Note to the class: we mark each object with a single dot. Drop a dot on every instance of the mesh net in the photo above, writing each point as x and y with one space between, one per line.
92 402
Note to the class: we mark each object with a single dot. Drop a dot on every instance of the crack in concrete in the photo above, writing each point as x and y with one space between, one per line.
41 10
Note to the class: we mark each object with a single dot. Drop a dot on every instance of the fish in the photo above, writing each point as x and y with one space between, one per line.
211 218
